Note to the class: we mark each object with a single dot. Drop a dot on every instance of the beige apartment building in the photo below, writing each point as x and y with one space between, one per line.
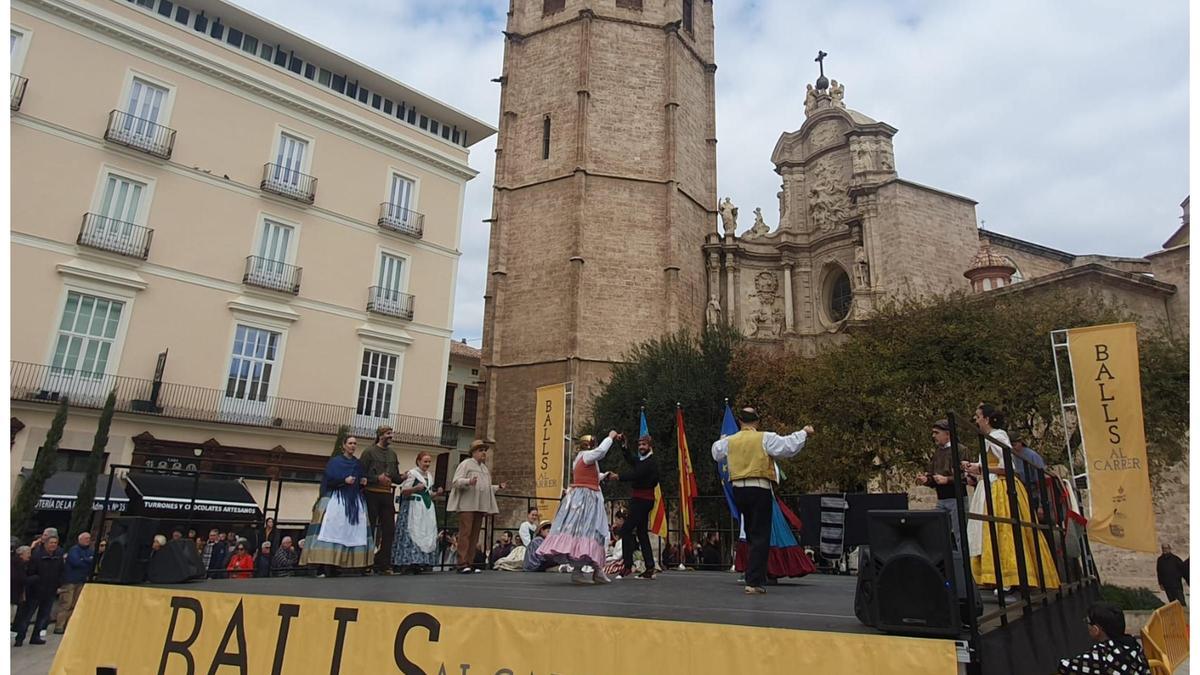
251 238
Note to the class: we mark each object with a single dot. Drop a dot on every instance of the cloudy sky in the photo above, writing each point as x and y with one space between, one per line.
1067 121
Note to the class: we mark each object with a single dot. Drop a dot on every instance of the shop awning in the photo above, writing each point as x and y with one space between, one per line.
170 495
61 489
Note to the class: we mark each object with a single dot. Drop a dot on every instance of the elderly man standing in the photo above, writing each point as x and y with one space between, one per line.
285 559
382 470
473 497
751 454
78 568
939 475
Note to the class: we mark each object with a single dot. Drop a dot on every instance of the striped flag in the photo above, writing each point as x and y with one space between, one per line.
658 514
729 427
687 481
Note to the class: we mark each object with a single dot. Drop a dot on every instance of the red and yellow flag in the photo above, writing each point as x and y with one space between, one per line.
687 481
658 513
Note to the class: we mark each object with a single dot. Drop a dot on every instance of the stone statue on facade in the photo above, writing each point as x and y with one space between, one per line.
767 320
729 214
837 92
712 314
862 270
810 101
759 228
827 201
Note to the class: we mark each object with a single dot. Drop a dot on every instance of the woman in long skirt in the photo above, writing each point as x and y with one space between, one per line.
416 544
580 528
979 537
338 536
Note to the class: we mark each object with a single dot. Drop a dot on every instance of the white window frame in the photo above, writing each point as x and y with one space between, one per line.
386 344
93 391
106 170
17 64
405 274
260 229
241 410
367 421
164 114
414 198
310 147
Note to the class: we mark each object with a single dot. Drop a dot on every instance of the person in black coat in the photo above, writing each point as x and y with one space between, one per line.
262 561
43 577
20 580
644 478
1172 572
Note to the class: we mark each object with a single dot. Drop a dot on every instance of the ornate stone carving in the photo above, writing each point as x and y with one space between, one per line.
864 155
810 101
759 228
862 270
825 133
712 314
827 200
837 92
767 320
782 195
728 216
886 161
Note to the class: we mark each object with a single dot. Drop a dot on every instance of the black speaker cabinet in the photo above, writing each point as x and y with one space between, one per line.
176 563
129 544
864 591
909 577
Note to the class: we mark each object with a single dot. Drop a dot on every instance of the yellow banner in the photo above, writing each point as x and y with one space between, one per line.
174 631
548 446
1108 391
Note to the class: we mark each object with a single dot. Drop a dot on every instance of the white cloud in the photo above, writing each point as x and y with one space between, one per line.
1068 121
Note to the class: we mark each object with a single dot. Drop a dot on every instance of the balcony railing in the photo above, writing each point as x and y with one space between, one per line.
402 220
140 134
289 183
117 236
36 383
392 303
16 90
272 274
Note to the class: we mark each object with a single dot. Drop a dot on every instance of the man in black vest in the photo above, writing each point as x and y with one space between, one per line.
636 531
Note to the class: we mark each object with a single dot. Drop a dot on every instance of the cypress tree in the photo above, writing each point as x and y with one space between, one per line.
81 516
43 467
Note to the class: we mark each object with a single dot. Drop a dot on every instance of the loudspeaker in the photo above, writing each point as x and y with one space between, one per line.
129 544
864 590
176 563
910 582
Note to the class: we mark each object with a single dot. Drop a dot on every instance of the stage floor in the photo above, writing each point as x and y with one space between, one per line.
816 602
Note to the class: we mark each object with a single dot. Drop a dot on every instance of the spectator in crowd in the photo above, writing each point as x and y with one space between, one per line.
191 535
252 536
241 565
271 534
1113 651
1027 462
176 534
19 568
215 554
529 527
262 561
710 552
44 577
79 563
40 543
448 545
200 544
157 544
533 561
502 548
285 559
1171 574
670 556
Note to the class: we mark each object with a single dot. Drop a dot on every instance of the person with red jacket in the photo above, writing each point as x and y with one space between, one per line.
241 565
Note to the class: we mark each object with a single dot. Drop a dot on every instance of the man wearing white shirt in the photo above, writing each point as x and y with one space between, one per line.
751 454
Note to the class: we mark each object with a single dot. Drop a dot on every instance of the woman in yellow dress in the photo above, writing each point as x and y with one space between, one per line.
979 536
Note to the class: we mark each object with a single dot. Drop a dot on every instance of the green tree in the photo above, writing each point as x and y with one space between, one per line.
342 434
81 516
872 397
688 369
43 467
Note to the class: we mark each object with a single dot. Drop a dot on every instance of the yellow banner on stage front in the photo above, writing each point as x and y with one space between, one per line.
1108 395
177 631
549 447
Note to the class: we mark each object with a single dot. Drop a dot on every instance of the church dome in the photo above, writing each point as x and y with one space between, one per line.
989 270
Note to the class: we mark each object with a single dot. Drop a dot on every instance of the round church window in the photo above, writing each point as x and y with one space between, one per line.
840 296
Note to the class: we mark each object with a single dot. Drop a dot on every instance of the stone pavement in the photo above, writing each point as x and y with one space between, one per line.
34 659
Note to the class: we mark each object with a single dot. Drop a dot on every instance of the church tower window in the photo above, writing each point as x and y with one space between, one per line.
552 6
840 296
687 15
629 4
546 137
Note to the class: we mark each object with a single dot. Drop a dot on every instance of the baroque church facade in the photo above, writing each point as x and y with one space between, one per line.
607 230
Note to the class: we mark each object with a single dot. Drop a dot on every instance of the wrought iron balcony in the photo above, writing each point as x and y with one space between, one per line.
392 303
34 383
140 134
16 90
272 274
402 220
289 183
117 236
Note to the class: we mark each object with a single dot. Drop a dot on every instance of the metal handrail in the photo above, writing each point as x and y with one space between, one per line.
280 180
399 219
390 302
16 90
37 383
140 134
117 236
272 274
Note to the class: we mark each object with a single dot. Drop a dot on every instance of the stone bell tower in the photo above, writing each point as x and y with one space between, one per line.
605 188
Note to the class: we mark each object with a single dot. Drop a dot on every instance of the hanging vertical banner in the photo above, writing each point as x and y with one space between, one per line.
1108 395
549 446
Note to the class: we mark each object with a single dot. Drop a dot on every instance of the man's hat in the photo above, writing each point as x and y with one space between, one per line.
944 425
543 524
480 443
748 414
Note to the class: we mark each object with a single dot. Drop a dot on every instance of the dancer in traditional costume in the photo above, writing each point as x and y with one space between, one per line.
785 557
979 538
416 545
580 529
636 532
338 535
750 454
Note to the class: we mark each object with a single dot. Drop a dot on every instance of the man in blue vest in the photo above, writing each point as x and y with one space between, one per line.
751 454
